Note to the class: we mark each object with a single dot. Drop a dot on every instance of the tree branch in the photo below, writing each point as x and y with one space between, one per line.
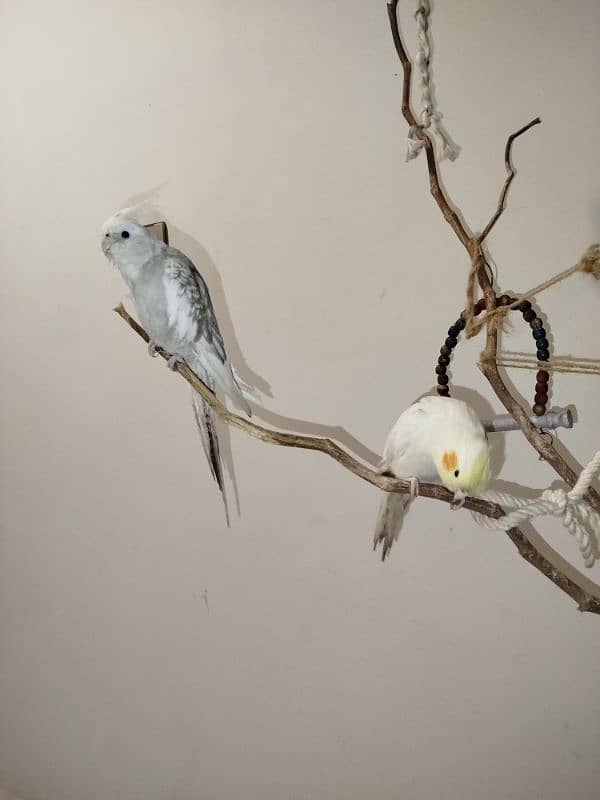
527 550
510 176
473 245
438 193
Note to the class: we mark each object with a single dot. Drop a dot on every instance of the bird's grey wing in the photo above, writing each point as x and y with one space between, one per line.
190 311
191 317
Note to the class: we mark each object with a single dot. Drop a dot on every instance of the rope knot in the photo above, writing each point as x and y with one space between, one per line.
557 498
575 513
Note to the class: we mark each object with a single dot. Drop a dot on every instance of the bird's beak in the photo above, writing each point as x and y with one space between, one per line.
106 244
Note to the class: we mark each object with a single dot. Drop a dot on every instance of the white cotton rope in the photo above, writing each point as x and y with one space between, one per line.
578 517
429 117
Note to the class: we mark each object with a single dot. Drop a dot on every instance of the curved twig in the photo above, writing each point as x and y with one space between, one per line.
509 178
527 550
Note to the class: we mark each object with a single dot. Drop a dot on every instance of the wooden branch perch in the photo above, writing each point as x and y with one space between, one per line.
526 549
489 367
473 245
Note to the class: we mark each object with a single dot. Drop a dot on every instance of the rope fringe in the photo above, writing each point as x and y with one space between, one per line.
429 117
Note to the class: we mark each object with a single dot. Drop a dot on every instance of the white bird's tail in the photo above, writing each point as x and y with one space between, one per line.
206 419
389 521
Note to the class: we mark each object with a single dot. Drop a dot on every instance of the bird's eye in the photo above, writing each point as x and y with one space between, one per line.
456 473
107 235
125 235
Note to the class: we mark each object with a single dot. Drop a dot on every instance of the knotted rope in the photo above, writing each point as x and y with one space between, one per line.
429 118
578 517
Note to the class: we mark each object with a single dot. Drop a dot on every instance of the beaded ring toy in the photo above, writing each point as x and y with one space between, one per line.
541 341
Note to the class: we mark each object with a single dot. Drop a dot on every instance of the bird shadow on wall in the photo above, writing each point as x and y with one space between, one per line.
207 268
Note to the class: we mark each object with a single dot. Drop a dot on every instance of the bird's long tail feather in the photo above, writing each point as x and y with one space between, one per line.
206 420
389 521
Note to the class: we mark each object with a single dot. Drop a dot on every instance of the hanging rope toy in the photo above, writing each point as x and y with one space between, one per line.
429 117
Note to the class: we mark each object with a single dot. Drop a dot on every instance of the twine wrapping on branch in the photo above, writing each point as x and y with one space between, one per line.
429 117
583 366
588 263
578 517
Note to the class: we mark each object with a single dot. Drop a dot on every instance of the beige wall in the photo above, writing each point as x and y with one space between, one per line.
269 136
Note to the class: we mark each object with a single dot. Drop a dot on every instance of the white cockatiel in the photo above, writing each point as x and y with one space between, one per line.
174 306
437 439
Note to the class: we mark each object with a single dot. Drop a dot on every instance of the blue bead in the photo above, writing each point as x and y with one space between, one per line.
542 344
543 355
539 333
460 324
453 331
451 342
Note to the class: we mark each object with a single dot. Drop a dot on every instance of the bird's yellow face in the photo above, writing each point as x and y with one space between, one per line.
465 467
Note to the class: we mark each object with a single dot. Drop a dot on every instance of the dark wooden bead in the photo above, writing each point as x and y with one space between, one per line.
460 324
451 342
442 380
542 344
445 350
479 306
504 300
443 361
440 370
541 386
539 333
453 331
543 355
541 398
524 305
542 376
443 391
536 324
529 315
539 409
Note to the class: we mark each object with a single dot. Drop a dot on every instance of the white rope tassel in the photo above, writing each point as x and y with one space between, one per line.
578 517
429 117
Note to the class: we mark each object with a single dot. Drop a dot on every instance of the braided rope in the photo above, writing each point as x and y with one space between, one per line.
578 517
429 117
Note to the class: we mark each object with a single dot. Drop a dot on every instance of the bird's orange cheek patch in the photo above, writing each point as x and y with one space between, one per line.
450 460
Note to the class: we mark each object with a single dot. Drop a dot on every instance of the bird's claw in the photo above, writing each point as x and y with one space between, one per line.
415 488
152 349
173 360
458 501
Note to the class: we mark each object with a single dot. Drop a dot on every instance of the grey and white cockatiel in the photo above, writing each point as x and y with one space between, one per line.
437 439
174 306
